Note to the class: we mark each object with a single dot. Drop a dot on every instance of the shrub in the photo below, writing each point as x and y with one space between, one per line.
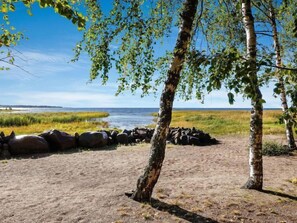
274 149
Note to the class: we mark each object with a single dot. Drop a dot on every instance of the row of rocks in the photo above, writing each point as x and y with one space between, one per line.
55 140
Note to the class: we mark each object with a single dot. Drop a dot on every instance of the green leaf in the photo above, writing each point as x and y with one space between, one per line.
29 12
231 98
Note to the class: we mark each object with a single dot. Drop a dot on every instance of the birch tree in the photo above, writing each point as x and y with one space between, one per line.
137 29
147 181
255 180
281 84
231 62
273 28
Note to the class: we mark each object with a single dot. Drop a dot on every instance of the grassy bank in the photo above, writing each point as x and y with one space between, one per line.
226 122
70 122
214 122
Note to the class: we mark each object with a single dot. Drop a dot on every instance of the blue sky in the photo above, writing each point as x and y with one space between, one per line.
53 80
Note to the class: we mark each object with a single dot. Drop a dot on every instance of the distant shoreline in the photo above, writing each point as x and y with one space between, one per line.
28 106
5 107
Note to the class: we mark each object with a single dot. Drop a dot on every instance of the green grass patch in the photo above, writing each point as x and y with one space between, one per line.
24 120
222 122
274 149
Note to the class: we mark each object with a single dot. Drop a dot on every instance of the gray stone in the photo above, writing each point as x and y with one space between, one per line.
184 140
131 139
114 136
4 152
5 139
147 140
28 144
194 141
142 133
128 132
122 138
59 140
93 139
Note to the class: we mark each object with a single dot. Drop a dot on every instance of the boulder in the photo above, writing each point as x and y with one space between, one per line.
194 141
59 140
110 141
28 144
93 139
128 132
5 139
131 139
150 133
175 139
106 131
147 140
105 137
141 133
113 135
184 140
4 152
2 135
123 138
76 136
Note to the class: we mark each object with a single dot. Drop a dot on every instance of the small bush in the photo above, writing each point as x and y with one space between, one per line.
274 149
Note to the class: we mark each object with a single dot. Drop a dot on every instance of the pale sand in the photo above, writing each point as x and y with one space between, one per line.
196 184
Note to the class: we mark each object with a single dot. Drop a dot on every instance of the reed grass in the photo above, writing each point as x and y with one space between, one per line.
70 122
223 122
219 122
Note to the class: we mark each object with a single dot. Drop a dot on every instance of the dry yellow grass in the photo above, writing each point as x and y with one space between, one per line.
220 122
70 122
224 122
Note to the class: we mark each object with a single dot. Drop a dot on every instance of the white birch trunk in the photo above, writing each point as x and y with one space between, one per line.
147 181
283 98
255 180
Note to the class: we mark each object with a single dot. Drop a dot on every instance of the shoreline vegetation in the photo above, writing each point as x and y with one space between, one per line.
227 122
215 122
71 122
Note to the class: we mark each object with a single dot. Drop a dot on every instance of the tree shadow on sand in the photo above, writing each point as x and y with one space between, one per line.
180 212
279 194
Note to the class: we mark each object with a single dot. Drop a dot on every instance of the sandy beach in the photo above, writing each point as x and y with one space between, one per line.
197 184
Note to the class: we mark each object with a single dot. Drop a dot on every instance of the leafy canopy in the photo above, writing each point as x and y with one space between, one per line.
129 37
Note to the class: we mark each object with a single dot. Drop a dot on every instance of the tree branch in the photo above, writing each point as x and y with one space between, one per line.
261 10
15 65
264 34
281 68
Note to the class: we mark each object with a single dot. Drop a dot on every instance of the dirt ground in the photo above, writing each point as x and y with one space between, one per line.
197 184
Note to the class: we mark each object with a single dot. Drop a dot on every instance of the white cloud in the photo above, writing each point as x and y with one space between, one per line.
37 64
72 91
77 99
61 98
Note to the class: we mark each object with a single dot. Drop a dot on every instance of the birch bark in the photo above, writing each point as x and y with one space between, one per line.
255 180
283 97
147 181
